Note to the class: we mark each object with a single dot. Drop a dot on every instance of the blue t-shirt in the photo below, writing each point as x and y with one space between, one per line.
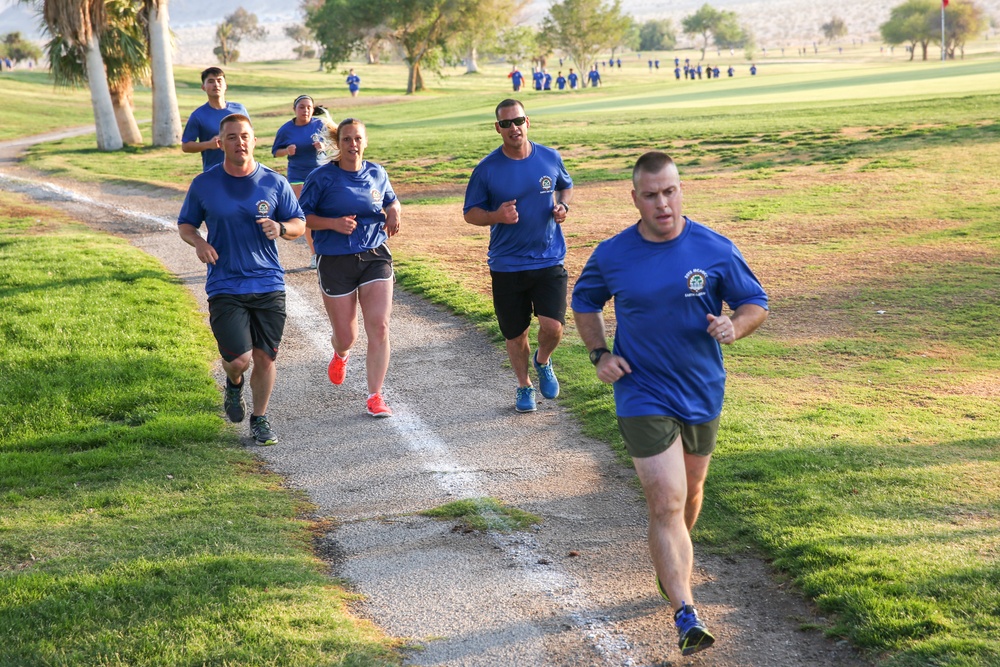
517 79
663 292
536 241
573 79
332 192
203 124
547 81
561 82
230 206
353 82
306 156
595 77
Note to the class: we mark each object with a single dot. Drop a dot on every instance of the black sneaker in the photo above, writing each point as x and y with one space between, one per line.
235 406
261 429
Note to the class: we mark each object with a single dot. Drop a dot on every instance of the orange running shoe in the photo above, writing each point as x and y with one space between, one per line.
377 407
337 369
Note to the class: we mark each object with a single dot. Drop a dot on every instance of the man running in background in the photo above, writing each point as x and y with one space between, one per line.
201 134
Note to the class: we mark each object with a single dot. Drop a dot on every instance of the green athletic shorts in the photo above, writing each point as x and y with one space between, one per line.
653 434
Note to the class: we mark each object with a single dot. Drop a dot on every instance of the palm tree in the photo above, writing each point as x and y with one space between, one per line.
123 49
79 23
166 116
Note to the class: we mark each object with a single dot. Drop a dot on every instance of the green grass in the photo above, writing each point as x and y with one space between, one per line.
485 514
859 449
134 530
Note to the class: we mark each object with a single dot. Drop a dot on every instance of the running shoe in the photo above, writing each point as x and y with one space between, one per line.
377 406
663 591
693 636
337 369
525 401
547 382
261 429
233 403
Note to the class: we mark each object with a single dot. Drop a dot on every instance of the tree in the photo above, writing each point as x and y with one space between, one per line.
516 44
913 22
702 22
426 31
629 38
166 115
303 37
962 20
123 49
79 23
233 29
583 28
657 35
16 48
728 33
492 17
834 28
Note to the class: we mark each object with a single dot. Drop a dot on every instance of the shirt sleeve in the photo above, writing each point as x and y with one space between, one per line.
476 193
191 128
590 293
741 285
192 212
389 195
309 197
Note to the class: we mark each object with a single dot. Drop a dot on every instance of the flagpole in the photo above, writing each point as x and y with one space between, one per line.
944 3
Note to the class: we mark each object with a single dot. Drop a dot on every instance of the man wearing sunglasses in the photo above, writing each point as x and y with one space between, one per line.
522 192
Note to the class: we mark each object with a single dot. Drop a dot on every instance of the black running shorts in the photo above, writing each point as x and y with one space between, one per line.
244 321
340 275
516 294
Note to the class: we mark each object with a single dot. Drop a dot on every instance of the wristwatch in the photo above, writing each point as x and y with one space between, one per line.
565 206
597 353
282 230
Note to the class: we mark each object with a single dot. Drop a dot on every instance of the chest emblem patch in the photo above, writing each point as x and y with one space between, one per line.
546 184
697 280
263 209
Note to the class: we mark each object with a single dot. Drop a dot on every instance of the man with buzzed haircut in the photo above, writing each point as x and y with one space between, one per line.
669 277
247 207
201 133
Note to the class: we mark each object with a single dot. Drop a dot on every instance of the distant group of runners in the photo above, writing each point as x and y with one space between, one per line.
669 277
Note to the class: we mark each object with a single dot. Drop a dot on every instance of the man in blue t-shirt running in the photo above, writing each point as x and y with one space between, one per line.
522 192
246 207
669 277
201 133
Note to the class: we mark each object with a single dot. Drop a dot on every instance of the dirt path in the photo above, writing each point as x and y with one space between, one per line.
577 591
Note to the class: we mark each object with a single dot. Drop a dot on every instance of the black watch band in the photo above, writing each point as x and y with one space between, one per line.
597 353
282 230
565 206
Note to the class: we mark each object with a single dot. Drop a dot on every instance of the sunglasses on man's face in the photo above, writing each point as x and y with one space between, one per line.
519 121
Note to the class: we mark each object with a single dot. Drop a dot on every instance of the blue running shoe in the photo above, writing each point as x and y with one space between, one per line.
525 401
547 381
693 636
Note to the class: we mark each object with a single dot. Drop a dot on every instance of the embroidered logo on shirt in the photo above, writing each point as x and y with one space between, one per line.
546 183
696 282
376 195
263 209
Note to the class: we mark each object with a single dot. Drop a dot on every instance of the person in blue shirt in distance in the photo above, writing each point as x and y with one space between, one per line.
201 132
301 141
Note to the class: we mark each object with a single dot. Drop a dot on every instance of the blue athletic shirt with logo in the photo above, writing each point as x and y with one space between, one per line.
535 241
332 192
203 124
663 292
230 206
306 156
